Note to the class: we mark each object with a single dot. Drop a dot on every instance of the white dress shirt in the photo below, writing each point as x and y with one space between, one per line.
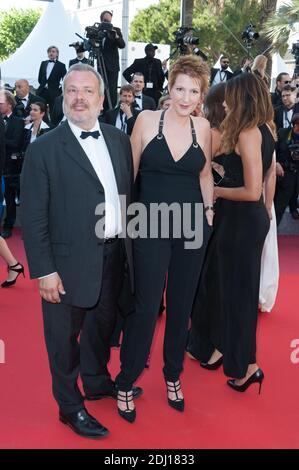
25 100
97 152
138 101
287 117
50 67
220 77
29 126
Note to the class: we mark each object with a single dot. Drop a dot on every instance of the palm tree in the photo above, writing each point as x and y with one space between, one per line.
187 12
281 24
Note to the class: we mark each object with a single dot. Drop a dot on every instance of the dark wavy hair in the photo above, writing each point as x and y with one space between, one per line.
213 105
249 105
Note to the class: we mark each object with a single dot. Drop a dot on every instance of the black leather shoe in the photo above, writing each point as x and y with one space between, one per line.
84 424
137 392
7 233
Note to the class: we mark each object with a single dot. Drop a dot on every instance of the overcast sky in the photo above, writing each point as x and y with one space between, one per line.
8 4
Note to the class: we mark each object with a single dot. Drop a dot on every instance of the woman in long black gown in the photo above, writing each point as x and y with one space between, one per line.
225 311
171 150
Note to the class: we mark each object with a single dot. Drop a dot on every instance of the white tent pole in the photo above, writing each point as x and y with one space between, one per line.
125 31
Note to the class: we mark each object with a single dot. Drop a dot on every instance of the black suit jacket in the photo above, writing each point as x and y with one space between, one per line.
278 115
229 74
110 117
2 146
151 70
13 143
283 155
77 61
110 51
57 74
23 112
60 192
57 111
147 103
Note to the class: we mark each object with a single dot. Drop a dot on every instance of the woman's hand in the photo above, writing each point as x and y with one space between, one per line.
210 217
269 210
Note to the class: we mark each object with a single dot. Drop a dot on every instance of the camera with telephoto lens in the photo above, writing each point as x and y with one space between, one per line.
249 35
294 151
183 40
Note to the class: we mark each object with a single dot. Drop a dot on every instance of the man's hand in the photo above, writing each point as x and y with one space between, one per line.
126 109
50 287
279 170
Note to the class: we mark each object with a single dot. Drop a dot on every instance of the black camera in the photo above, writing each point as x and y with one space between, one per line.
184 39
249 35
294 151
99 31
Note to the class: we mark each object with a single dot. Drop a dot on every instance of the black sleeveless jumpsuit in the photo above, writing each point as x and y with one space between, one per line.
164 180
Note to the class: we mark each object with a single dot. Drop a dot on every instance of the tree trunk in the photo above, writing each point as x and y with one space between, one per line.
187 12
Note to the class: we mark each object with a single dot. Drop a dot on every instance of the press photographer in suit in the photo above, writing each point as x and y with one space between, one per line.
111 44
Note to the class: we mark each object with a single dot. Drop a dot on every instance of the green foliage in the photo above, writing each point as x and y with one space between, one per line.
15 26
221 25
281 24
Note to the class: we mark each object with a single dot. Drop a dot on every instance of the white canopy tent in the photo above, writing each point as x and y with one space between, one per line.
55 27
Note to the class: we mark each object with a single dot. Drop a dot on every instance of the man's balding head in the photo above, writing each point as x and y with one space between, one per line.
22 88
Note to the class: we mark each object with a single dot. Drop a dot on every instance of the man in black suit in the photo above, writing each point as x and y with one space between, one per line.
141 100
222 74
111 43
124 115
12 167
80 59
51 72
283 114
57 111
282 80
70 175
287 168
152 71
24 98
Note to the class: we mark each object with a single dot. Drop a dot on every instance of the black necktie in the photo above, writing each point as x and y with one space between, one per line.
94 134
52 60
138 97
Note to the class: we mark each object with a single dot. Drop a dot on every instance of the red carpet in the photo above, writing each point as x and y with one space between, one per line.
215 416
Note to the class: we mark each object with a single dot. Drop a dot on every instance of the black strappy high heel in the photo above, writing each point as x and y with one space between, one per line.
16 270
174 387
127 414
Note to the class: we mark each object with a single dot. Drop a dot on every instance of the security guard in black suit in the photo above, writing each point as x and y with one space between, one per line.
152 71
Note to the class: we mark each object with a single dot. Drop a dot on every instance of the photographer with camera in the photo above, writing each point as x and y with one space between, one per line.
222 74
152 71
112 41
287 166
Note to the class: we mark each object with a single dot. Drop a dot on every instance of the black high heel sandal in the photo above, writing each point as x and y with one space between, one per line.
127 414
174 387
16 270
257 377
